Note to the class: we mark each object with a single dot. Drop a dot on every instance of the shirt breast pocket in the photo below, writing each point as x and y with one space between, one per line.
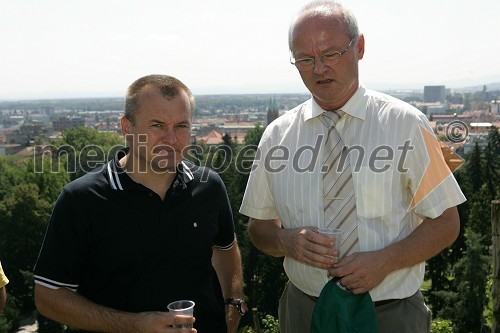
374 193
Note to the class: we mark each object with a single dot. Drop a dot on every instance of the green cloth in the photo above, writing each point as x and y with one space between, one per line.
339 311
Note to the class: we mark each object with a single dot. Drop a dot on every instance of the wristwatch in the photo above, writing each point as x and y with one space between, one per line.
239 304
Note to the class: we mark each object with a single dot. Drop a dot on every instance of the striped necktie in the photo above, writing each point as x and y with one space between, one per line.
338 188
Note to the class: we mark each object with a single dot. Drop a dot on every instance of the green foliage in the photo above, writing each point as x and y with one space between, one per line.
488 311
26 199
442 326
269 325
49 178
263 275
11 174
86 149
460 274
253 136
474 167
471 274
9 318
465 304
25 216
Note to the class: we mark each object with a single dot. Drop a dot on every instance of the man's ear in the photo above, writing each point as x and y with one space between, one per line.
125 124
361 46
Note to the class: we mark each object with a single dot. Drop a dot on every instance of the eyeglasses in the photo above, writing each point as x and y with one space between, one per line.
328 59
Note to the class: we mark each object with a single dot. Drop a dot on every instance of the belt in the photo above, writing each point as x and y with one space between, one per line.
385 302
312 298
377 303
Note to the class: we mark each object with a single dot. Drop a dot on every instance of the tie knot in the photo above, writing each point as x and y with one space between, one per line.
330 118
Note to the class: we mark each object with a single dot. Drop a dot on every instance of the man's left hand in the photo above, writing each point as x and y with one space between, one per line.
360 272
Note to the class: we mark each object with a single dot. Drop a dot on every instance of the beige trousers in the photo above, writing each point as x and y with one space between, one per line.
409 315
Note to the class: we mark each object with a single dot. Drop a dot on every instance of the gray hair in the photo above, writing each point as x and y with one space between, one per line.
326 8
168 86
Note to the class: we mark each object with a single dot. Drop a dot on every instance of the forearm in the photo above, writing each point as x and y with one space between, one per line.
426 241
69 308
303 244
227 264
265 235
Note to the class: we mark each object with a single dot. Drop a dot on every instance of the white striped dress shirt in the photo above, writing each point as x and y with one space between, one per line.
388 158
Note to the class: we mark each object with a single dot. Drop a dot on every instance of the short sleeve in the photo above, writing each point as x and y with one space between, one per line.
60 261
432 186
258 201
225 236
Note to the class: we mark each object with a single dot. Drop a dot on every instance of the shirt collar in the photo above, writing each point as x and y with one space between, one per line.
186 171
119 180
355 106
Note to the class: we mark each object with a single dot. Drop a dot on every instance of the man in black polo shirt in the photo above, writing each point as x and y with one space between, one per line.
146 229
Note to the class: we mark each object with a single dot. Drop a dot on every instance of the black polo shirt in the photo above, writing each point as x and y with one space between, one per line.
117 243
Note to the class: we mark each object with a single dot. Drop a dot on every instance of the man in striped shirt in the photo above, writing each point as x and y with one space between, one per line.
404 196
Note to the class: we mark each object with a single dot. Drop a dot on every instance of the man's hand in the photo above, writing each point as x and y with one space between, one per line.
361 272
304 244
308 246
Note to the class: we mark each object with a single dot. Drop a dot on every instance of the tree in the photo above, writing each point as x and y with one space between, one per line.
11 175
494 140
492 163
253 135
40 171
471 274
86 149
474 170
24 218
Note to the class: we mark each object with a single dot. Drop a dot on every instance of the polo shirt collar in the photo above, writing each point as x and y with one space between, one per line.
119 180
355 106
185 171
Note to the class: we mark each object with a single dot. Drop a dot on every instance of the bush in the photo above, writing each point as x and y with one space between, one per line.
269 323
442 326
9 318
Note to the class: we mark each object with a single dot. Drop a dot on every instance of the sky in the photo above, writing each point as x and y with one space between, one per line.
97 48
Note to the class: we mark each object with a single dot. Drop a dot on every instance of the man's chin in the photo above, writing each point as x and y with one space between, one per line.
165 166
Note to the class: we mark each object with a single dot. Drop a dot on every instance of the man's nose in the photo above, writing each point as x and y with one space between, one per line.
319 66
169 136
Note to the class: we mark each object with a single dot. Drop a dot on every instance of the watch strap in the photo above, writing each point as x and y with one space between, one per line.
237 303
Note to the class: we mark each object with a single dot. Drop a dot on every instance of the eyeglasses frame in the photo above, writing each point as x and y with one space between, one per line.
294 61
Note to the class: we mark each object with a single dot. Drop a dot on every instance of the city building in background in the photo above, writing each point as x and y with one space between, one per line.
434 94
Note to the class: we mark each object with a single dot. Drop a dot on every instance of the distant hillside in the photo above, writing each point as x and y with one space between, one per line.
489 87
228 102
458 86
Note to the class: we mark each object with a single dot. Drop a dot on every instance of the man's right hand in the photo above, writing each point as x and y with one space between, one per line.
306 245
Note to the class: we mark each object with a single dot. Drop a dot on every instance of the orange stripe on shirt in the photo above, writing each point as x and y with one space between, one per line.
436 172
